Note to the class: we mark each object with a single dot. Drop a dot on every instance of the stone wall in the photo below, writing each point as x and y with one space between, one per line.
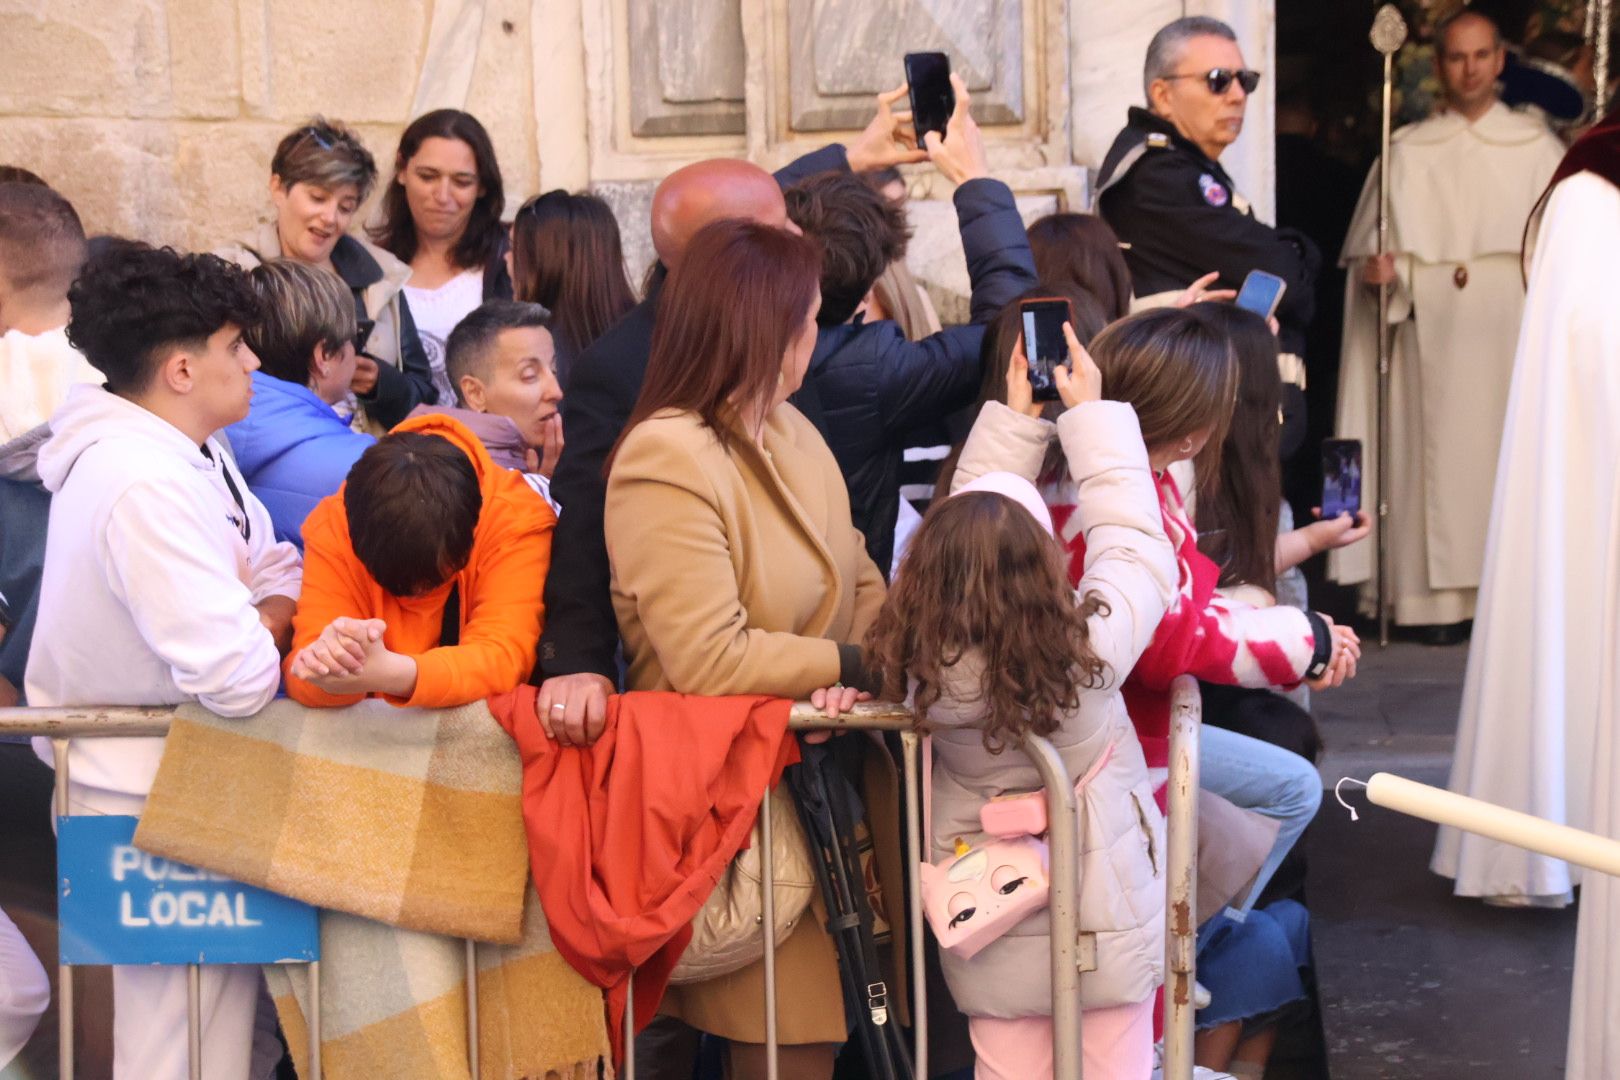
158 117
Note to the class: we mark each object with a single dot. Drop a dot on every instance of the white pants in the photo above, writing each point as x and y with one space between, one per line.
25 992
150 1038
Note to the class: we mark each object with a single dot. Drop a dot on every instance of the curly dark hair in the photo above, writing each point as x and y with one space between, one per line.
861 232
412 502
981 574
132 304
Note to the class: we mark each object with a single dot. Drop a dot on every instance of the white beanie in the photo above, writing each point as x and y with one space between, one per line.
1016 488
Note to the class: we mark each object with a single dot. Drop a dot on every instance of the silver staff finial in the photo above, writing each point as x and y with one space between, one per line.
1388 30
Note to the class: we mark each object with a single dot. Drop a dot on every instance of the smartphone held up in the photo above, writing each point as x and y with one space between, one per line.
1341 478
1261 293
1044 345
928 75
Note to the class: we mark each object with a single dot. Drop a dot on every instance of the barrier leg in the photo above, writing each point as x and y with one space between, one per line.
1181 967
919 968
314 1020
767 884
1063 835
194 1020
472 1008
64 973
629 1072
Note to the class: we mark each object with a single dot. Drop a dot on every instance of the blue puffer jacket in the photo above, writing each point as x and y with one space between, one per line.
875 388
293 450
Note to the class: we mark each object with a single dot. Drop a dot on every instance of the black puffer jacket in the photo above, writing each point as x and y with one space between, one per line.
876 388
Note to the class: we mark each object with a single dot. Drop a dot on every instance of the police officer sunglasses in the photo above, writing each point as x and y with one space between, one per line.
1219 80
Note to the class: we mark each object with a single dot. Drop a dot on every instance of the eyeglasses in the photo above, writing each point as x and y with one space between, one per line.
1219 80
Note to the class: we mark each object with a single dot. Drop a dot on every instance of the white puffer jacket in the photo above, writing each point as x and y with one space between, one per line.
1130 563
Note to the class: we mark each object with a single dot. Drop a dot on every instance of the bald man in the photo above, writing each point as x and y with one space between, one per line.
578 650
1462 184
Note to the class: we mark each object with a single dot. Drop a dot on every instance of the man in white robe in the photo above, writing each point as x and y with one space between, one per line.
1540 726
1462 184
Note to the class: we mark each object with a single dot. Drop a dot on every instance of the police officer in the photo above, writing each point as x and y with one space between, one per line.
1164 192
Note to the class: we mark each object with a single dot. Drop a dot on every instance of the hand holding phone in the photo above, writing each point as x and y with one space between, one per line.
933 98
888 140
1045 348
1341 477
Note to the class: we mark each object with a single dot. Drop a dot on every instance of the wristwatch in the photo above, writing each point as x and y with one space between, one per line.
1323 656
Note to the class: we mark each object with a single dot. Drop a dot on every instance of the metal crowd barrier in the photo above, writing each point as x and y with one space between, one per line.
62 724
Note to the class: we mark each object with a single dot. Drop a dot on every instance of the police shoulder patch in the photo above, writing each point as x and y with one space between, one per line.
1213 190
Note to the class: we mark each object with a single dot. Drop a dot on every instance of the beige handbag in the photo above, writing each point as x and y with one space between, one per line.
726 934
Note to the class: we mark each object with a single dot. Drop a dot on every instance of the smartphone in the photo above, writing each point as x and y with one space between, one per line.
928 74
362 333
1341 477
1044 346
1261 293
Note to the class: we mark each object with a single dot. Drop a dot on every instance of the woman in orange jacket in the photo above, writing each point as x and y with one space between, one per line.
422 576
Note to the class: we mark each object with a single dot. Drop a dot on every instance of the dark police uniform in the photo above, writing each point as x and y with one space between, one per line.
1181 217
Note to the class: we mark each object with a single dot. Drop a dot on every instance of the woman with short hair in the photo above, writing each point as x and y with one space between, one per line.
567 256
294 448
319 177
441 216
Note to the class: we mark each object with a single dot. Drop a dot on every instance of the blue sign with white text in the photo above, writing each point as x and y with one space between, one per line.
121 905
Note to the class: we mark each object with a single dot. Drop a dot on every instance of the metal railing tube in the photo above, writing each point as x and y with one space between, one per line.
1181 931
1063 839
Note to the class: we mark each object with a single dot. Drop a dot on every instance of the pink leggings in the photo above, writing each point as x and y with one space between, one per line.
1115 1044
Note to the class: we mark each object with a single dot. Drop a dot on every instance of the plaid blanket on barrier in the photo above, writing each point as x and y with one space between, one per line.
404 817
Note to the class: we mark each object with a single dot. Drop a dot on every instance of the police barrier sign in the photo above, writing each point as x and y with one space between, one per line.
121 905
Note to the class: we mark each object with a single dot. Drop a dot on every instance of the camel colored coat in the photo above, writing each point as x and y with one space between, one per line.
737 571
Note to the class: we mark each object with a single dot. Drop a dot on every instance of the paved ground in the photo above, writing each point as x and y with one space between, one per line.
1416 983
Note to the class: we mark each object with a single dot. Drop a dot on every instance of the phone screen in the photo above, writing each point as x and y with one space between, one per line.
928 74
1341 477
1044 346
1261 293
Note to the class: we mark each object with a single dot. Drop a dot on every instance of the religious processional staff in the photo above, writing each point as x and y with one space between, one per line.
1176 211
1462 184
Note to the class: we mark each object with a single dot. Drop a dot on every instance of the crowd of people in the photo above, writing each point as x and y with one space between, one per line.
453 453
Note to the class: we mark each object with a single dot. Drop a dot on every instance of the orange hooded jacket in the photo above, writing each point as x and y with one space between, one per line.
501 586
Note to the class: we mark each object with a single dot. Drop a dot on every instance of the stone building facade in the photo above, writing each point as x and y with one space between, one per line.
158 117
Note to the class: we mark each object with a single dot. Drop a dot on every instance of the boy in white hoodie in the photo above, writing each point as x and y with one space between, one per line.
163 580
41 250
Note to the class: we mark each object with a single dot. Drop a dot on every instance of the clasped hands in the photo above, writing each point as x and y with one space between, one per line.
349 657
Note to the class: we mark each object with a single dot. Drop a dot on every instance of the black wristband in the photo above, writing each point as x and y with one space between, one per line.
1323 656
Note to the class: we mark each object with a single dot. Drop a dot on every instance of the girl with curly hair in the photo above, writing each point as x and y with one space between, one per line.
984 632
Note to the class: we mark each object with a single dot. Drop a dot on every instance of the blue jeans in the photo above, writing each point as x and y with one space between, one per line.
1264 778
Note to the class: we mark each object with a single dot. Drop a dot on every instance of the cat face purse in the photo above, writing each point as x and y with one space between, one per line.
981 892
